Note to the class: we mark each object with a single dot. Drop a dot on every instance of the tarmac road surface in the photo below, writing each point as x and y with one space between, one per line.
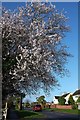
49 115
52 115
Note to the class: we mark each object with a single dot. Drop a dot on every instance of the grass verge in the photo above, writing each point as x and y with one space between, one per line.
24 114
71 111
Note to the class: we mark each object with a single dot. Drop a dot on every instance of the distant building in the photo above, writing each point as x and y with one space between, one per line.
48 104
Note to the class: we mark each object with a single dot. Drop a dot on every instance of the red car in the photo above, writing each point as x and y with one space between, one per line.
37 108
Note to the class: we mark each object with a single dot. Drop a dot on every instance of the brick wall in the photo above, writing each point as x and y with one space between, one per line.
61 106
64 106
53 106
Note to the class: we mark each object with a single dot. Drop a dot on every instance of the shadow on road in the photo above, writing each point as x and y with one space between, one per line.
12 115
54 119
63 119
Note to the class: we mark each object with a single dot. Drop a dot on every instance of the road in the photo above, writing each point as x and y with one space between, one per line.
59 116
52 115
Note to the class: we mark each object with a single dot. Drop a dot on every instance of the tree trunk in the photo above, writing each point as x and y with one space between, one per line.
21 103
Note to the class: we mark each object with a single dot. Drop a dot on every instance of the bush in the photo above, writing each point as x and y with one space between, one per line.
61 101
71 100
75 106
78 100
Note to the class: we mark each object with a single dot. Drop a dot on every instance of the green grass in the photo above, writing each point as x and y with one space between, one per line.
71 111
24 114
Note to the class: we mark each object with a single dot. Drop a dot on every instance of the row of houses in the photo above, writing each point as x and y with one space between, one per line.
75 96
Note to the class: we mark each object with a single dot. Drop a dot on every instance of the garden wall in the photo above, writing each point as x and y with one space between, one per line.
61 106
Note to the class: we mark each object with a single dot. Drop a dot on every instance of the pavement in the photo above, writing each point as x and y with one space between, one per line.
12 115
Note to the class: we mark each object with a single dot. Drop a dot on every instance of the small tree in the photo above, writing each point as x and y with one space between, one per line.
61 100
71 100
78 100
33 103
10 102
27 104
17 103
41 100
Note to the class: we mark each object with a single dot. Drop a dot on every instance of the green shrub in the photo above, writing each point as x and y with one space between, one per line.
71 100
75 106
61 100
78 100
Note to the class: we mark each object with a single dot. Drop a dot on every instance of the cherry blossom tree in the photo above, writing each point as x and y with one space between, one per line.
33 52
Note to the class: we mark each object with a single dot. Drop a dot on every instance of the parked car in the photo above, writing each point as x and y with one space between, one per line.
37 108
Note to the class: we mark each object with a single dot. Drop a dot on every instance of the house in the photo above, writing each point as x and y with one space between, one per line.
76 94
48 104
66 97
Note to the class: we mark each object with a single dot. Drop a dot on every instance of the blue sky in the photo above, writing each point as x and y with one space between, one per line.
68 84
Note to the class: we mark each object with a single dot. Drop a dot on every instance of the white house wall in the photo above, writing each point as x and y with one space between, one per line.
75 97
55 101
67 98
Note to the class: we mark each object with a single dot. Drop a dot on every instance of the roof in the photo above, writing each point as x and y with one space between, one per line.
64 95
57 97
77 92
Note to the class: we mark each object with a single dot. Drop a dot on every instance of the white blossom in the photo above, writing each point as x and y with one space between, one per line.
34 35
